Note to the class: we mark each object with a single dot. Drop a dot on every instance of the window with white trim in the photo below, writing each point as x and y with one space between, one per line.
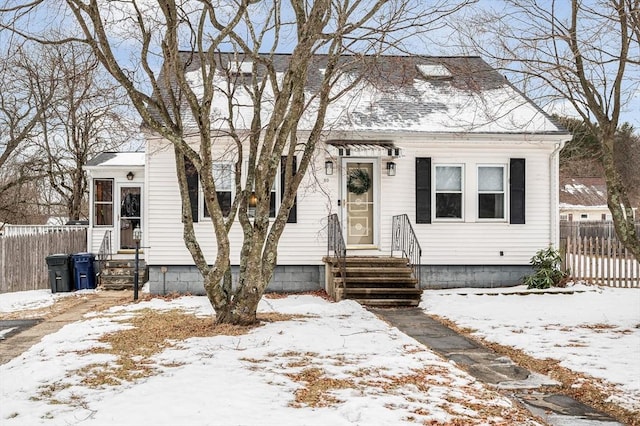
274 197
448 191
103 202
223 177
491 192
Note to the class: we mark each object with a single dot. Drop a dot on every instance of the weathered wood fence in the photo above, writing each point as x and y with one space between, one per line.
590 228
23 263
602 261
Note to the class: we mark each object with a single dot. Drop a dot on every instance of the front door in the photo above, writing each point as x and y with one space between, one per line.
359 205
130 214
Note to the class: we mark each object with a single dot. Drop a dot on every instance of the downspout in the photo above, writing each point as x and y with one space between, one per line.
554 213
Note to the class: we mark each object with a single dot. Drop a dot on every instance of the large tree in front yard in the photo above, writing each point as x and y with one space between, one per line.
584 54
265 100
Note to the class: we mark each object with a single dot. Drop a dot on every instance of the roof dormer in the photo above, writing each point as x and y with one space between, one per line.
434 71
241 69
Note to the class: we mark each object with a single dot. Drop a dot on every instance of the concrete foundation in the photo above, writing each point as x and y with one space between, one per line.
480 276
187 279
299 278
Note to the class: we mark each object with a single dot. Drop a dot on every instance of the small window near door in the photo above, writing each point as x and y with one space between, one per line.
103 202
448 192
584 216
491 192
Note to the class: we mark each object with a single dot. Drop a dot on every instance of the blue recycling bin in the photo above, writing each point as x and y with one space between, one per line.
83 271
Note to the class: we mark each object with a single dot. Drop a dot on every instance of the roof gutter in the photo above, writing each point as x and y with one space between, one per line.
554 201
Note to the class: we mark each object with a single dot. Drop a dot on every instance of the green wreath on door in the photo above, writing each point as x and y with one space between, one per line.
358 181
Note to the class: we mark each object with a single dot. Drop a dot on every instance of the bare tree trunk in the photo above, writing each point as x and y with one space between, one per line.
618 200
243 308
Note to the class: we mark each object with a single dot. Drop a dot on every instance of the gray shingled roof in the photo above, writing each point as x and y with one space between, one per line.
397 96
117 159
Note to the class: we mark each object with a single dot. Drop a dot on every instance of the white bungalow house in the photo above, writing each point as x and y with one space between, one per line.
446 141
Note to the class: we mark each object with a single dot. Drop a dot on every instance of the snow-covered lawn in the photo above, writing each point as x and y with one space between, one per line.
595 330
331 363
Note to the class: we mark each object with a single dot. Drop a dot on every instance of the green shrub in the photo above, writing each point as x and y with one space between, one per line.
546 264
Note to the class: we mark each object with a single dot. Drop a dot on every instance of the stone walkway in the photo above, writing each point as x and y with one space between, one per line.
16 344
529 388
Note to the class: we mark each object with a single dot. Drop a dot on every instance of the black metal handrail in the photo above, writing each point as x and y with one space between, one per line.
403 239
104 253
336 245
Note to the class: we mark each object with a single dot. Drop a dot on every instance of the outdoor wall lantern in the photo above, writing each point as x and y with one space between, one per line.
137 237
252 202
130 176
328 167
391 168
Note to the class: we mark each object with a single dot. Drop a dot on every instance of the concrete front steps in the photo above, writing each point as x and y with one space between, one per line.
373 281
119 274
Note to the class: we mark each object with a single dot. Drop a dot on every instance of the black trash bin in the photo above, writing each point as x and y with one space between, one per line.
60 277
84 275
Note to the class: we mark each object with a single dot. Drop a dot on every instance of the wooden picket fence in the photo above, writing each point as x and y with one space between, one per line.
601 261
23 264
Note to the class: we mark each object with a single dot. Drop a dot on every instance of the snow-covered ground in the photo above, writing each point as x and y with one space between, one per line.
379 376
595 330
22 300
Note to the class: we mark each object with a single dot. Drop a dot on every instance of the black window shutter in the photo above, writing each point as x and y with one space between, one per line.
293 213
516 190
192 185
423 190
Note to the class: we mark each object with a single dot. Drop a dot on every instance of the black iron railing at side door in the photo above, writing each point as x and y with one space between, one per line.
404 240
336 245
104 253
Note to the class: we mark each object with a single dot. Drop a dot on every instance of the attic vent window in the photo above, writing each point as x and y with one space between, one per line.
241 69
434 71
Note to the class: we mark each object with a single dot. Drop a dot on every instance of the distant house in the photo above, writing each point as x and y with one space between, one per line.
446 140
583 199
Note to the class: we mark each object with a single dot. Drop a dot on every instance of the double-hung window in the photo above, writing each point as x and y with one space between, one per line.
448 193
274 196
223 174
103 202
224 178
491 192
274 199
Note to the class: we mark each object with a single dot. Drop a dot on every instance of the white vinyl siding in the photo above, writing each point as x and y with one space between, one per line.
467 241
302 243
